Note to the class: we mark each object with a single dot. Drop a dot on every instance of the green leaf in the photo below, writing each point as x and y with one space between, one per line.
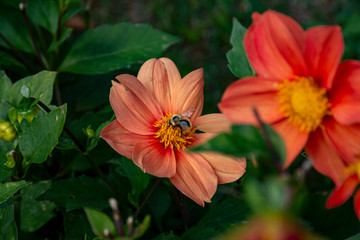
78 193
244 140
65 33
112 47
10 188
167 236
219 218
40 84
143 227
25 91
355 237
13 28
44 13
8 228
138 179
5 86
9 62
100 222
238 61
41 136
77 226
35 214
5 172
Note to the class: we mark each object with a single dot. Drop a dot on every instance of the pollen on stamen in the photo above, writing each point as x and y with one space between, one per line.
173 136
353 168
303 103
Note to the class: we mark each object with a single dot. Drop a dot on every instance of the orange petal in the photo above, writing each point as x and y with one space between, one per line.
161 87
152 158
146 74
346 139
227 168
345 93
293 138
242 95
342 193
357 204
274 45
212 123
133 115
324 156
188 94
120 139
172 73
201 138
194 177
324 46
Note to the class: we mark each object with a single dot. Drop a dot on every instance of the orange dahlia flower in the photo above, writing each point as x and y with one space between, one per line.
344 191
157 118
301 89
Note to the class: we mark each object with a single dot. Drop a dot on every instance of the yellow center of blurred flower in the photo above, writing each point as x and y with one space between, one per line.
353 169
173 135
303 103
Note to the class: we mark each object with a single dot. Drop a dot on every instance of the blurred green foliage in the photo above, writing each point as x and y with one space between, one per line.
198 35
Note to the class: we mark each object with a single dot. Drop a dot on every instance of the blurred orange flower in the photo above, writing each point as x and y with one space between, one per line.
301 89
270 226
157 115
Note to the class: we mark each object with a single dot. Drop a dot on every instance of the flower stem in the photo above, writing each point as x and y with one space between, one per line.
147 198
182 206
18 53
274 154
84 152
27 21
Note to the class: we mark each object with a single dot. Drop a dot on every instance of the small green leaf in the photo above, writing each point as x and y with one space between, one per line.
5 86
238 61
5 172
100 222
79 193
13 114
111 47
140 230
25 91
65 33
40 84
41 136
10 188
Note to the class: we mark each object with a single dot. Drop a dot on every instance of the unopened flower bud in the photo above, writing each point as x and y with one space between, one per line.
7 131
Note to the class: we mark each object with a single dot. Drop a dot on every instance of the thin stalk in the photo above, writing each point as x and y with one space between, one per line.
274 154
18 53
147 198
27 21
82 149
182 207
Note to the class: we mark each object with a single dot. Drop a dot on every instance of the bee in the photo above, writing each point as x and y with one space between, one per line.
180 120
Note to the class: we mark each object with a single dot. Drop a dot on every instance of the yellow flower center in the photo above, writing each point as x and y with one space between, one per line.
303 103
173 135
353 169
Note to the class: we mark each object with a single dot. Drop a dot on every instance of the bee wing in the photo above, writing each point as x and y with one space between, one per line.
188 113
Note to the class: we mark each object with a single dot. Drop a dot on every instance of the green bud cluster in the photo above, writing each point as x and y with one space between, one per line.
7 131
